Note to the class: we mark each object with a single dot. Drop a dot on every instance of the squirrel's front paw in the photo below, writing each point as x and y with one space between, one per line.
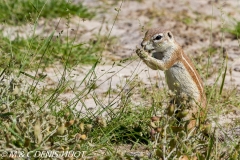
141 53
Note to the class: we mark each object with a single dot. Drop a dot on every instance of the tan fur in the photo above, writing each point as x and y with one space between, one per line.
169 57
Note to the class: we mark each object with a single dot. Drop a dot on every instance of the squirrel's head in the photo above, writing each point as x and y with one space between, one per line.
158 40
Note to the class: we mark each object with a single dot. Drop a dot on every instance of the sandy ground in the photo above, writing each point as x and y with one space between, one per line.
196 25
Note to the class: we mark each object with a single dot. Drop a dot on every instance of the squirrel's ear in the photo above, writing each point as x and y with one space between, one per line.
169 34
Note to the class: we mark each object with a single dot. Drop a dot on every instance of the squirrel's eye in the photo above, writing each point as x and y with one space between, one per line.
158 37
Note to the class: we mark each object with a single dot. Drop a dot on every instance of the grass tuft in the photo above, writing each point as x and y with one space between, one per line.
21 11
28 53
235 31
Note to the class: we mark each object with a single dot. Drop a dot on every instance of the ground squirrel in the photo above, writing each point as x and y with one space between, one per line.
181 75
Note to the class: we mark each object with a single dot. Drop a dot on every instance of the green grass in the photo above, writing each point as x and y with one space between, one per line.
28 53
21 11
33 120
187 20
235 31
37 51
